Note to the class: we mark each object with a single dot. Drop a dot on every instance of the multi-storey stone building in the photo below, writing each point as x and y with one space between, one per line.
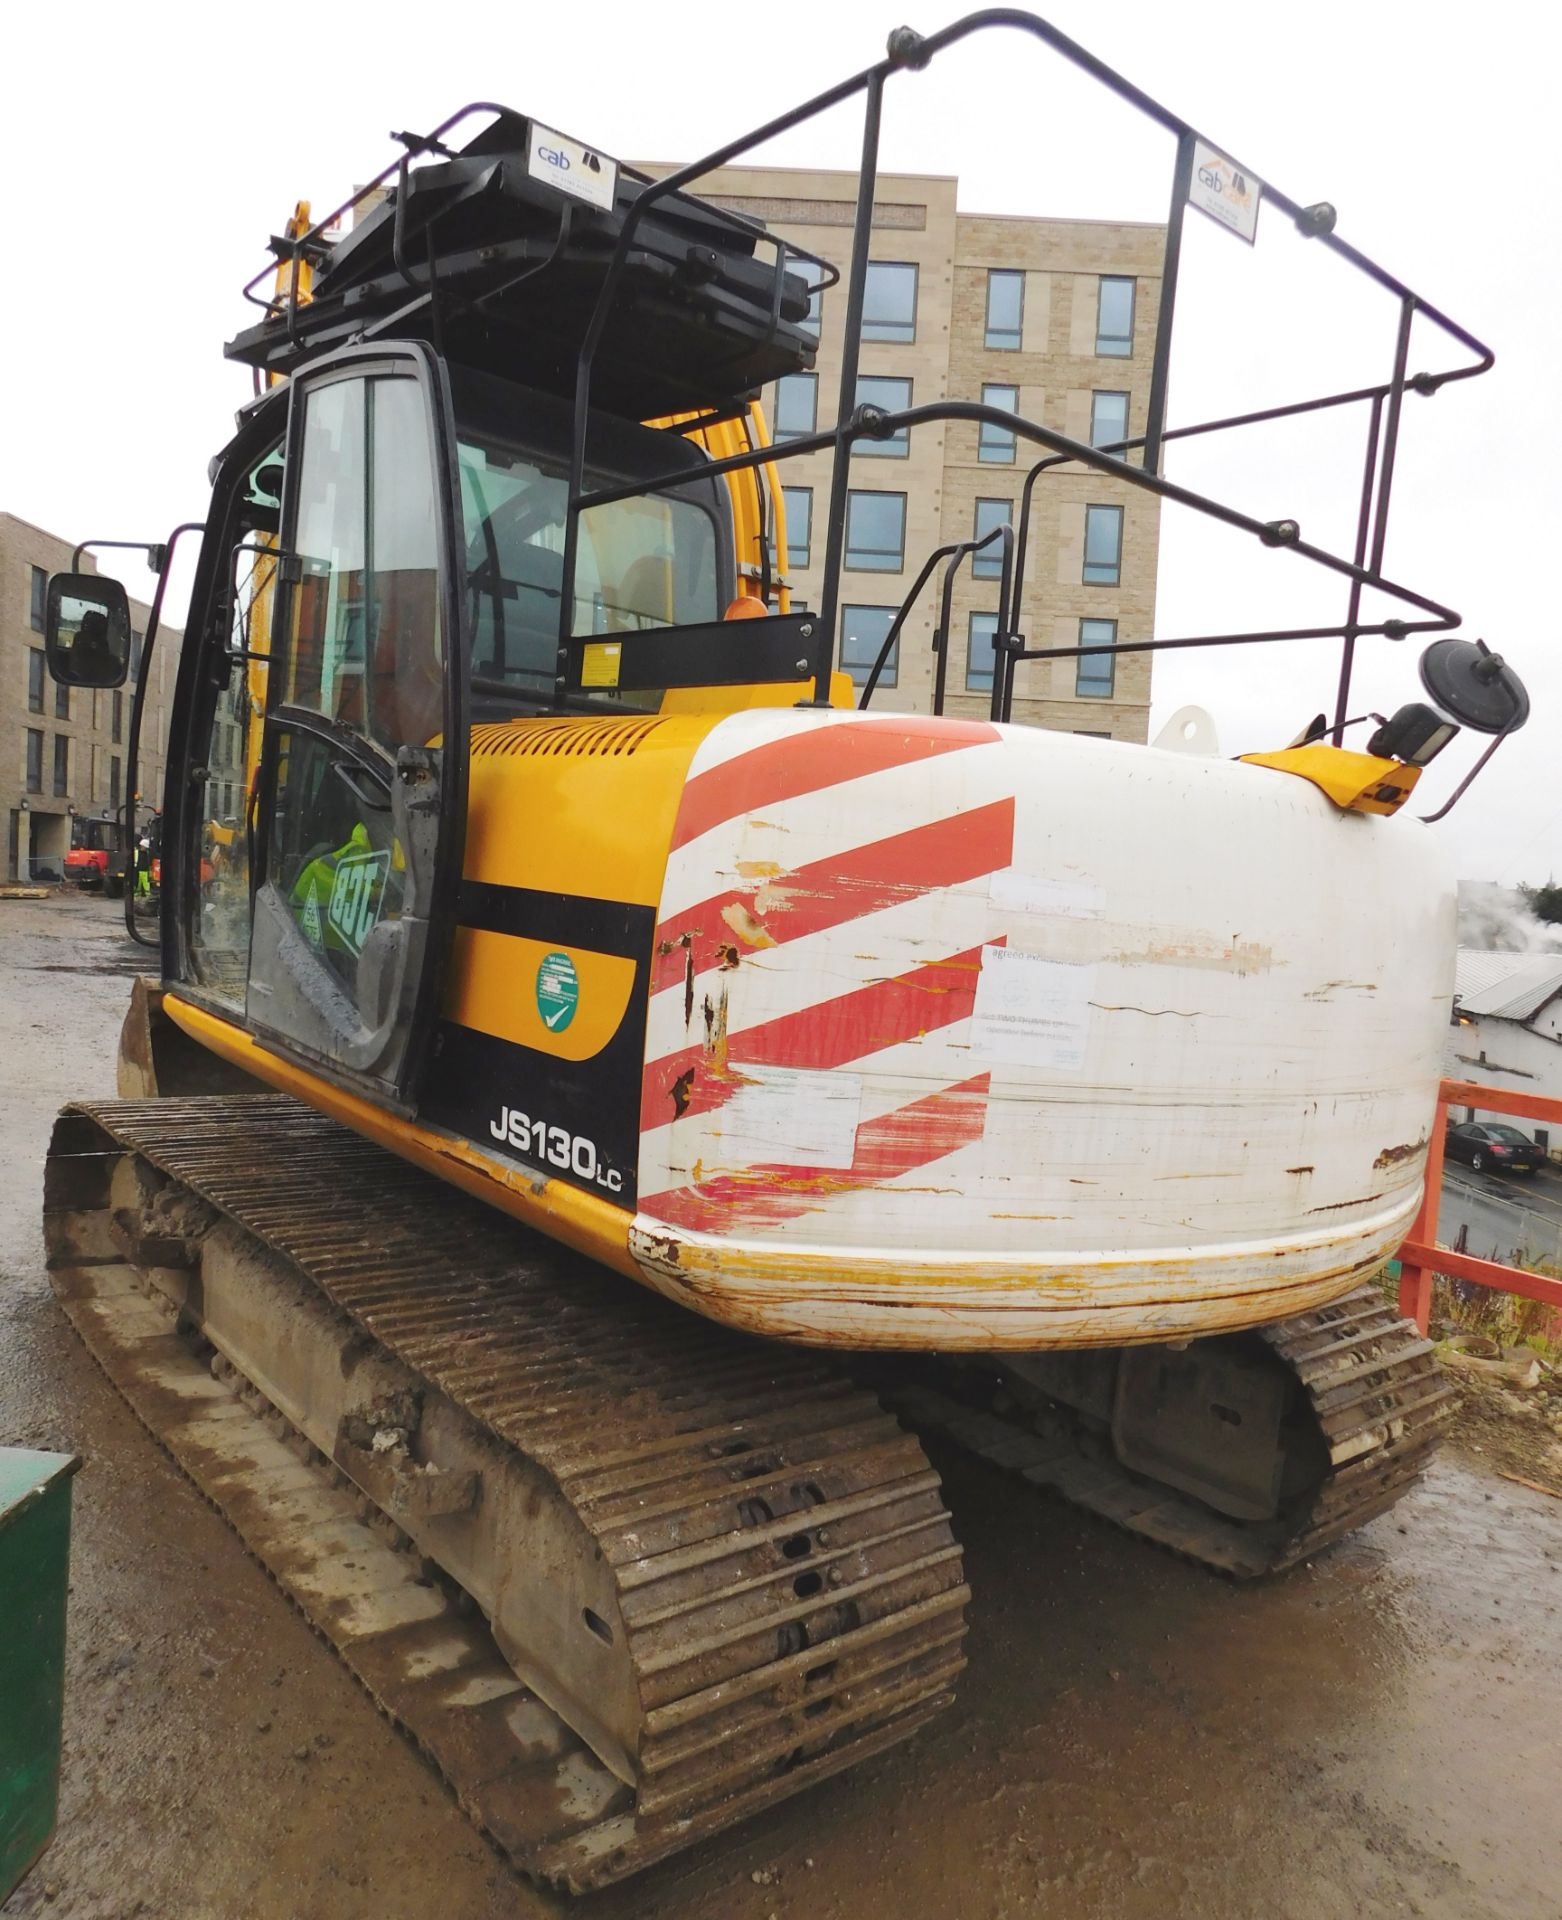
63 750
1052 319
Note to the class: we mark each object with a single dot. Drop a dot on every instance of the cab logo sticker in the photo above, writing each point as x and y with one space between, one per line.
558 991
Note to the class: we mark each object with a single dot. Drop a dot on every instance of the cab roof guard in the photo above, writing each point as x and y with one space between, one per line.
1362 570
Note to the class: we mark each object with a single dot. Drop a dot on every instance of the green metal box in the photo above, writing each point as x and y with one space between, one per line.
35 1525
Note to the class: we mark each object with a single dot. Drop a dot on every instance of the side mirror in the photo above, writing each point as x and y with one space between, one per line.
87 630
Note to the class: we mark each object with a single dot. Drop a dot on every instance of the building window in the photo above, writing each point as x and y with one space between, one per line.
889 301
62 763
799 524
135 658
1095 674
119 716
40 598
1103 546
797 405
1115 318
862 635
876 532
62 700
1005 310
34 760
35 679
113 781
814 324
1108 419
995 446
988 564
894 396
979 652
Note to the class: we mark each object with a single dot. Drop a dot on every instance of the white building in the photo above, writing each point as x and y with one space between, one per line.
1507 1026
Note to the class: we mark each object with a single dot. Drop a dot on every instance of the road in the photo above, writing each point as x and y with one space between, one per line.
1377 1734
1508 1216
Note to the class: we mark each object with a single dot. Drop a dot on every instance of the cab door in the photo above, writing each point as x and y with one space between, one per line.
362 799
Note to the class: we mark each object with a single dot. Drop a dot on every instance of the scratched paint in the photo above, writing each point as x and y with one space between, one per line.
1207 1151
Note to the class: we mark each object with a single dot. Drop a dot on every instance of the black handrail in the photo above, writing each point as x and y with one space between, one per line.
907 50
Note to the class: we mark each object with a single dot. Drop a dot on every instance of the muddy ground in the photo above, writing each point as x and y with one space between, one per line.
1378 1733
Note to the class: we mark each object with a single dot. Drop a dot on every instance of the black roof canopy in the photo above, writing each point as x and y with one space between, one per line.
502 269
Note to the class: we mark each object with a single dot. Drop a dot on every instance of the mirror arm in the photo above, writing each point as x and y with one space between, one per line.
157 552
138 702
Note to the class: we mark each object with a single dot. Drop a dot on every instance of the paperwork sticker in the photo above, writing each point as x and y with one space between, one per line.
796 1116
1031 1012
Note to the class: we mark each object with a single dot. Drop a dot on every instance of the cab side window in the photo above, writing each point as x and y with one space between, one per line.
365 646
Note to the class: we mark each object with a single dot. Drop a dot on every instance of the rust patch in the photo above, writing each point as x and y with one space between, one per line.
759 869
1331 987
744 924
1338 1206
661 1248
716 1030
1299 1169
726 958
681 1089
1395 1156
665 947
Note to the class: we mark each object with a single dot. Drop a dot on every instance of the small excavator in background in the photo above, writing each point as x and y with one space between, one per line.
97 861
585 1027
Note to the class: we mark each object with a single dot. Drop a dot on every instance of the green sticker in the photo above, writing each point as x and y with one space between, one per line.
558 991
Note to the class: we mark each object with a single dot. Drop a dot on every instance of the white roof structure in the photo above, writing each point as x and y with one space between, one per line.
1508 986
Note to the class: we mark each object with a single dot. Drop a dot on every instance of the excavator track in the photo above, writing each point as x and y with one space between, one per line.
709 1571
1369 1380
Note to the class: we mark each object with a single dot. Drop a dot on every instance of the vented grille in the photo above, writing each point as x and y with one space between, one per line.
565 735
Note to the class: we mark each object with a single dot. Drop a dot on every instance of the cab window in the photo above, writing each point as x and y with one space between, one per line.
648 561
365 647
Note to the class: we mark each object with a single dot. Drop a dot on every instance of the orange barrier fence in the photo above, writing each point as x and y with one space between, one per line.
1420 1257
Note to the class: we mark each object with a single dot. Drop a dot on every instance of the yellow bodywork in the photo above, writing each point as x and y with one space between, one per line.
1358 782
579 1219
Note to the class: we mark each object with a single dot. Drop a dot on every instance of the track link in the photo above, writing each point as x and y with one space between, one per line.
773 1588
1369 1380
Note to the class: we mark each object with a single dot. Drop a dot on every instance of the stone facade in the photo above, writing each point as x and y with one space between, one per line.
43 784
1057 368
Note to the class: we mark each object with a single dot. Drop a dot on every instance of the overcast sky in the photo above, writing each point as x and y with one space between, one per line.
149 150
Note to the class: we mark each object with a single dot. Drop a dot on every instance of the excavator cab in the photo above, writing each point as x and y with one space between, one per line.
344 646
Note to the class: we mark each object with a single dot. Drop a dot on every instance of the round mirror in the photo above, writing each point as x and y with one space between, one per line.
1474 686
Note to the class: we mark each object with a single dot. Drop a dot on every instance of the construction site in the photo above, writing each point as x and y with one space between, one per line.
1374 1733
702 1244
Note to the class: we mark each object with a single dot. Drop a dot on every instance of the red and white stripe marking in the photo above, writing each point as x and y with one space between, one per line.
823 914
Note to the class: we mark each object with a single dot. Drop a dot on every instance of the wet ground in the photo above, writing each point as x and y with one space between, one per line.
1379 1733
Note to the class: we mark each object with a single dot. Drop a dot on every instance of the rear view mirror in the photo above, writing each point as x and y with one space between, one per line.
87 630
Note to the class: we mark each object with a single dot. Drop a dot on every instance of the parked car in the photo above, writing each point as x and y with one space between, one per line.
1488 1144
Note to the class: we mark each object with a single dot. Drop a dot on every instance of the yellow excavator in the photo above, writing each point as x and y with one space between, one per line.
585 1026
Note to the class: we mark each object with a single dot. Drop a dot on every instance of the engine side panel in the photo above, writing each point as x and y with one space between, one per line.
1033 1035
